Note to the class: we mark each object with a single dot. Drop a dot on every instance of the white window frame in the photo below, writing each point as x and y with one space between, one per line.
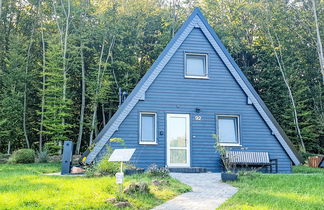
206 65
238 130
140 128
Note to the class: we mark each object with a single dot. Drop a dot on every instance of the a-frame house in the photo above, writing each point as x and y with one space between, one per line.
193 90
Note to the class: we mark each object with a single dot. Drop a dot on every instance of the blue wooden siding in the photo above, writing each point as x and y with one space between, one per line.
220 94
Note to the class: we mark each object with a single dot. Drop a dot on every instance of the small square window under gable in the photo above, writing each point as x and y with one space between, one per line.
196 65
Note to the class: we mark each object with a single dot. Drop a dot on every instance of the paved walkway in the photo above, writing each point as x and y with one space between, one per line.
208 192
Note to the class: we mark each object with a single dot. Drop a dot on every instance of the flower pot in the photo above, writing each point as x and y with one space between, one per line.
134 171
228 177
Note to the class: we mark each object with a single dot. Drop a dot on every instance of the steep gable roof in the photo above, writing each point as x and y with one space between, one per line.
195 20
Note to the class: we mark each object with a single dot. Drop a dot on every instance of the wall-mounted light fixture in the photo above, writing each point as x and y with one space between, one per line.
197 110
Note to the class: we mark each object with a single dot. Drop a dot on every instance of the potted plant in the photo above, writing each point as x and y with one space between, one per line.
229 168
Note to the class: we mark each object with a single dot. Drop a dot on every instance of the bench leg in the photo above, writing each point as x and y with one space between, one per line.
275 163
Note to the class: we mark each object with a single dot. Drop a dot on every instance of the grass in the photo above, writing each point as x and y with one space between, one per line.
303 189
25 187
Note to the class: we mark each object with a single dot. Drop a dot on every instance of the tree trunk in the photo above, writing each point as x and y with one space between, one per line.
98 86
109 55
0 7
82 102
319 41
110 111
64 55
43 89
62 48
103 114
95 104
281 68
58 24
9 148
25 88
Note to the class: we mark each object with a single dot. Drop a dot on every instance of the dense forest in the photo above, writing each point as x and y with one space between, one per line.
62 62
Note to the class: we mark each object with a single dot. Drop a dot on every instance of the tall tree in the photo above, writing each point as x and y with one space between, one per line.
55 108
40 139
319 42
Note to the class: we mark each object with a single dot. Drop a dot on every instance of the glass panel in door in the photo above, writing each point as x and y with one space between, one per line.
178 140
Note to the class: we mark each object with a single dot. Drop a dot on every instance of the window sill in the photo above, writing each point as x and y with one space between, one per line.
148 143
230 145
195 77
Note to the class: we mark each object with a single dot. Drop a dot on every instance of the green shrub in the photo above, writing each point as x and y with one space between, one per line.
154 171
4 158
42 156
90 171
107 168
141 187
22 156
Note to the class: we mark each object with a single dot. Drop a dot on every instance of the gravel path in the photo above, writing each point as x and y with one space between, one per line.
208 192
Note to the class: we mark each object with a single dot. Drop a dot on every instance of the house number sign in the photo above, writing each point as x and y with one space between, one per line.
198 117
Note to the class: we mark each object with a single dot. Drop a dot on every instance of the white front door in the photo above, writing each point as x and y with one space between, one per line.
178 140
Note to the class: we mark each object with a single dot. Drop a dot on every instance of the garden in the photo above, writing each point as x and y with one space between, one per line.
24 186
28 180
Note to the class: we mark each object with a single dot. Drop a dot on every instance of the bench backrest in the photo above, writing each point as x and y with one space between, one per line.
243 157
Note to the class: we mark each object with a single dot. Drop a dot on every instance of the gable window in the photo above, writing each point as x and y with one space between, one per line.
228 129
196 65
147 132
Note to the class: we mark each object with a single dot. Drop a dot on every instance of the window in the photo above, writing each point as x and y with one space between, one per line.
147 128
228 129
196 65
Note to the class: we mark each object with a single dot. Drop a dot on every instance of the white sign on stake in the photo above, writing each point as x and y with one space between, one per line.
120 178
121 155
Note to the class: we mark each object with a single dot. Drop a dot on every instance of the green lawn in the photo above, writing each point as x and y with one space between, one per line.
303 189
25 187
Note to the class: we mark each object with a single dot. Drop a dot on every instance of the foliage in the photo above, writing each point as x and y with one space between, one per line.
300 190
52 148
107 168
4 158
248 173
155 171
117 140
23 156
141 187
56 107
42 156
228 166
11 95
37 190
306 155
